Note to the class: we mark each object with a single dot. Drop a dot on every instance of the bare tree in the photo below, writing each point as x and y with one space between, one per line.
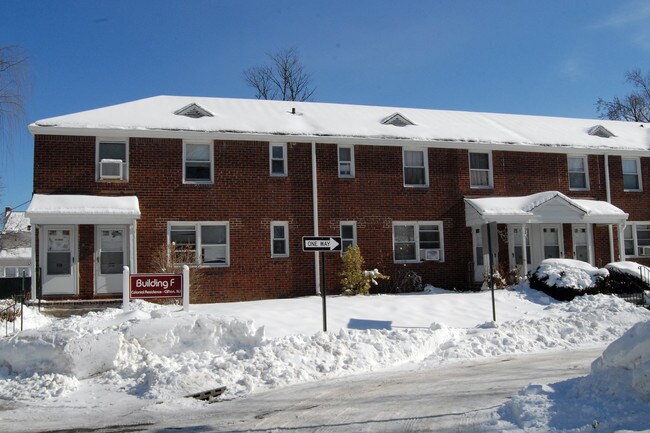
284 78
634 107
13 73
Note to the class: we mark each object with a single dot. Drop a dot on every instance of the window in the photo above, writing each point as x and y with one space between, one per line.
17 271
197 163
112 160
278 159
636 237
578 173
480 170
210 239
631 174
417 241
279 239
348 235
415 167
346 161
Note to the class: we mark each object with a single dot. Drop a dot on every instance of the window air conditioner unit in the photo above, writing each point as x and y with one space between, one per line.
644 251
110 169
430 254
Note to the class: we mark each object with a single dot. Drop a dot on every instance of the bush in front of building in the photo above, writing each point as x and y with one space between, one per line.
169 259
564 279
625 278
355 280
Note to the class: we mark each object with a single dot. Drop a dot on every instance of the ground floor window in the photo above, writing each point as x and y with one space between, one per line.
279 239
203 243
17 271
415 241
348 235
637 239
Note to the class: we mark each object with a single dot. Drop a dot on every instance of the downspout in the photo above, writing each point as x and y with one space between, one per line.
314 190
608 194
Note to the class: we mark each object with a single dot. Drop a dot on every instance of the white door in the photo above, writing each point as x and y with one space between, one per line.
552 241
479 259
110 242
581 242
516 248
59 275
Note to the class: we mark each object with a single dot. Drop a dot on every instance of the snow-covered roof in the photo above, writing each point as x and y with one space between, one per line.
16 222
83 209
326 122
548 206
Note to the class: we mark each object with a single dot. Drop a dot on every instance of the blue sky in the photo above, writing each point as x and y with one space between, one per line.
551 58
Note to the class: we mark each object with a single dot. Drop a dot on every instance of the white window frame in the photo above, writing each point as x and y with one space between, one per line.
198 143
284 159
425 154
354 234
17 270
198 241
638 174
585 173
490 180
125 164
340 161
633 227
284 224
417 225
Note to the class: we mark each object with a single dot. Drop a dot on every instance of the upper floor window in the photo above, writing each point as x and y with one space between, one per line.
278 159
346 161
112 160
480 169
415 241
631 174
203 243
279 239
416 169
348 235
197 163
578 173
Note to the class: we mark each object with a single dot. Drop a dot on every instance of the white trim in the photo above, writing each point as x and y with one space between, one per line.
198 143
125 167
198 242
585 162
425 155
284 224
416 226
338 158
285 158
490 184
354 233
638 173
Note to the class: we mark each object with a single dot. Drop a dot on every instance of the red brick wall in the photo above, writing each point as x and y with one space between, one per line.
249 199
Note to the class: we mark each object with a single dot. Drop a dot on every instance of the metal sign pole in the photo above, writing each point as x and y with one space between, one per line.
323 292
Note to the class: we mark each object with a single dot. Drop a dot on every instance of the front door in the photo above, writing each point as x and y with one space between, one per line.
59 275
581 242
479 266
516 248
110 258
552 241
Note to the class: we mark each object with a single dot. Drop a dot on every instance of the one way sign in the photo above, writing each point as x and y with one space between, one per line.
321 243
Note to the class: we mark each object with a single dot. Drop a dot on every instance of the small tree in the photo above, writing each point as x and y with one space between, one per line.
356 281
169 259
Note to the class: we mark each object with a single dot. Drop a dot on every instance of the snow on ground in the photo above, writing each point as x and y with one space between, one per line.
155 354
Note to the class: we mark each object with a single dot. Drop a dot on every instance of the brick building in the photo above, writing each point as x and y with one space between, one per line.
239 182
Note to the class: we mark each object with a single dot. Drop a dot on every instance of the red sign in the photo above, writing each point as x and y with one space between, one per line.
146 286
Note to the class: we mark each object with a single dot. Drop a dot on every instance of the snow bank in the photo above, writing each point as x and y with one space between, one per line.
614 397
570 273
630 268
156 352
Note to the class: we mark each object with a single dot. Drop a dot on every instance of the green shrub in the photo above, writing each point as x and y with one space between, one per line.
354 280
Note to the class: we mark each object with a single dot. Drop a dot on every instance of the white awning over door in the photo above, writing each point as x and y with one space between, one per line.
82 209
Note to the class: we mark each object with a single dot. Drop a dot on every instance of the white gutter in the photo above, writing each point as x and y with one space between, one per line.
608 197
314 190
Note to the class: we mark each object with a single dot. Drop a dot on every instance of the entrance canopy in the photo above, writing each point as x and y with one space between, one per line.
540 208
82 209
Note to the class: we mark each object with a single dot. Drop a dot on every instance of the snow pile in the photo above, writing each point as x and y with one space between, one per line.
630 268
614 397
156 352
570 273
